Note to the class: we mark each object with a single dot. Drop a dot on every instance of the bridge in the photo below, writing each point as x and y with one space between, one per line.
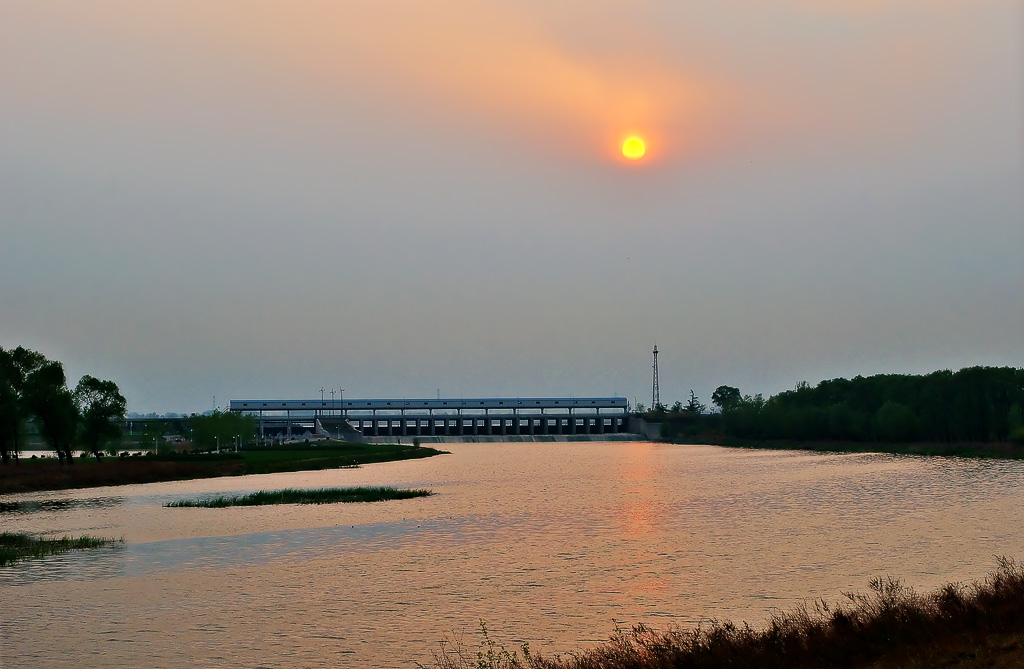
441 417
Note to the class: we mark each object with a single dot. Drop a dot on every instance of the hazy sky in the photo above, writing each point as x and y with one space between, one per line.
258 198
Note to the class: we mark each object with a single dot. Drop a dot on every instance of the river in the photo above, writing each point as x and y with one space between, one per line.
551 543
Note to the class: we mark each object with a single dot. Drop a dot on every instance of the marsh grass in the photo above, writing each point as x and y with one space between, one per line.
300 496
892 626
16 546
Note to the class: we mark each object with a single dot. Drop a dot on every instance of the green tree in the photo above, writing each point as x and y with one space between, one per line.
746 418
220 428
101 405
15 366
896 422
726 398
846 424
10 409
53 405
693 405
975 404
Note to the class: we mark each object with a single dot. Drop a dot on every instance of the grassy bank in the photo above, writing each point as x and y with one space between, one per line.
47 474
15 546
999 450
297 496
966 626
1003 450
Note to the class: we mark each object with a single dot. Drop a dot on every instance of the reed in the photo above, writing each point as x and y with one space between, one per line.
15 546
300 496
981 624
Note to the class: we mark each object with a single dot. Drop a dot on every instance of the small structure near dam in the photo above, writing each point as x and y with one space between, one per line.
462 417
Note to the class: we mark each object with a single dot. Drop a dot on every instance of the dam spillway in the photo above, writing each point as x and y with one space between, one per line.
454 417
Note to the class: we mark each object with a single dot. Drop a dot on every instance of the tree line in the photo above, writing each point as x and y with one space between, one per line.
34 389
216 430
975 404
221 428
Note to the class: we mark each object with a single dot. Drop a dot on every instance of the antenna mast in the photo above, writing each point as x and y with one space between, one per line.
655 392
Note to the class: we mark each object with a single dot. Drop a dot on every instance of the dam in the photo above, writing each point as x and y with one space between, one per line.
453 417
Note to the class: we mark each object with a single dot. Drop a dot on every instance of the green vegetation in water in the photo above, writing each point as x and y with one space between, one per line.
17 546
967 626
298 496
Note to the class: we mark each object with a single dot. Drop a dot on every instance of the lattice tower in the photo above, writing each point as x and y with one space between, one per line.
655 391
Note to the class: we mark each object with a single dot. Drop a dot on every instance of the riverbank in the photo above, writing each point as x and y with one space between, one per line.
32 475
964 626
995 450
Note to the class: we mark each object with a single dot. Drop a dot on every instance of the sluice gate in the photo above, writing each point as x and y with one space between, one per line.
441 417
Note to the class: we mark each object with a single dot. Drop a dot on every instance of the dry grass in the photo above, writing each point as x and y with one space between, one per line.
959 625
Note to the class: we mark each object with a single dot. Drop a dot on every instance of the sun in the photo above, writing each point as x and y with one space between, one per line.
633 148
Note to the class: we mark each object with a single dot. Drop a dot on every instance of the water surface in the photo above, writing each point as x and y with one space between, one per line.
553 543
